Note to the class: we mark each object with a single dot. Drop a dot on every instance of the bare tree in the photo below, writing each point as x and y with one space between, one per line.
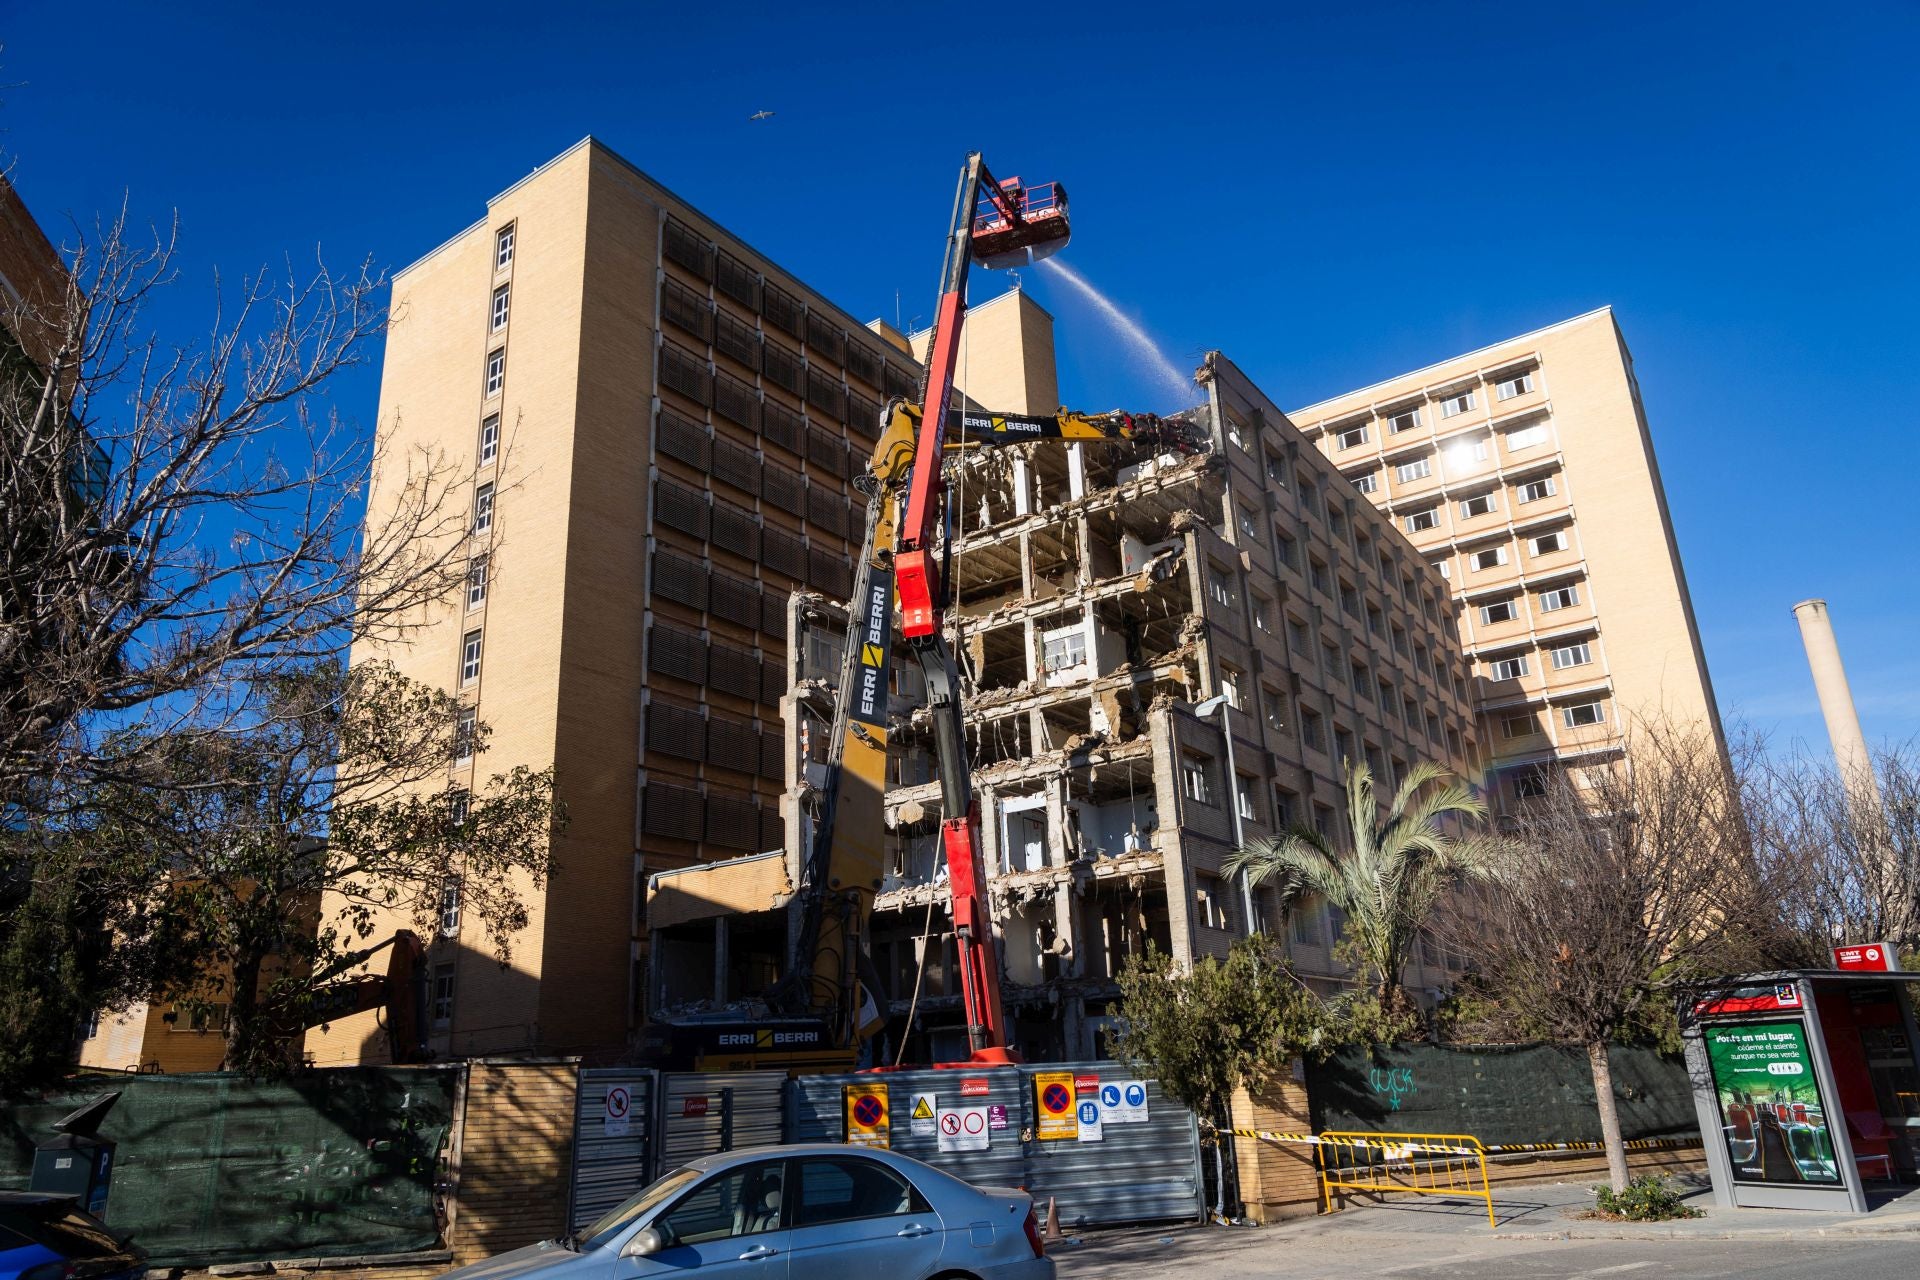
1617 884
1842 863
176 517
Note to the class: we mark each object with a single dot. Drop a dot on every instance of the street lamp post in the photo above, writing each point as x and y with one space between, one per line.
1219 702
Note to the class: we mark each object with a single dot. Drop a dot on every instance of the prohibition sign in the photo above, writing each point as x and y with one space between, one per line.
617 1102
1056 1098
867 1111
950 1123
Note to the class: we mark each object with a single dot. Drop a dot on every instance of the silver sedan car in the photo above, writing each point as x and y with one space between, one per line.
796 1213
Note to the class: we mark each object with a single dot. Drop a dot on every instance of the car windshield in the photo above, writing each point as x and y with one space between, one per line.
665 1187
62 1228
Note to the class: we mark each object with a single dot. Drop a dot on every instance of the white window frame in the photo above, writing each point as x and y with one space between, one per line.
503 247
1419 469
1526 437
1194 783
1421 521
1536 490
1455 405
1467 505
1518 385
466 725
476 582
1486 613
1207 895
1243 798
470 649
496 371
483 508
1365 482
1405 420
1063 650
1352 437
489 438
1567 656
440 999
1230 681
1480 562
1220 586
450 908
502 303
1465 455
1511 727
1560 598
1539 545
1569 716
1508 668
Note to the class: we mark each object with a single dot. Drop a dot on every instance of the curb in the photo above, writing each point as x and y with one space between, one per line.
1854 1231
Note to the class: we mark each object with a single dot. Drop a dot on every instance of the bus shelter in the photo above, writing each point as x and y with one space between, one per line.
1807 1085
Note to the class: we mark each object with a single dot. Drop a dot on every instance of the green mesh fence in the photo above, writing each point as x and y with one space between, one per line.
214 1168
1498 1093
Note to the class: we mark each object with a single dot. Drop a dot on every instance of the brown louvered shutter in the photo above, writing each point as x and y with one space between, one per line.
737 280
773 682
783 553
783 367
681 437
863 415
781 425
679 577
784 489
733 669
732 744
736 464
826 337
900 382
782 310
733 821
829 573
689 249
675 730
674 652
773 750
825 393
686 373
687 310
773 611
736 401
736 529
827 449
863 362
678 507
667 810
828 510
737 339
734 598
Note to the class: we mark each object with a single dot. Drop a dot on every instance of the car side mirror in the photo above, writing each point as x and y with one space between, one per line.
645 1241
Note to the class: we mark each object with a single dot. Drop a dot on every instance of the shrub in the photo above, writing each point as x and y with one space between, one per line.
1648 1198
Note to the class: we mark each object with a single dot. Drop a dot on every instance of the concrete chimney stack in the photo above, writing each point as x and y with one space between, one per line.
1836 700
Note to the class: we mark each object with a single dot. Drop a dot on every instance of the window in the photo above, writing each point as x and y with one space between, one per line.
1289 551
210 1015
1525 438
496 370
1582 714
1303 922
442 994
1352 437
1466 455
1275 704
1529 784
1418 469
1421 521
1572 655
843 1189
1405 420
1193 780
1343 745
470 658
1497 612
483 508
1323 819
740 1202
1516 385
1519 726
464 730
1349 599
1358 674
450 909
1284 803
1336 522
1249 527
1508 668
1455 405
1479 504
1312 730
1235 435
500 307
1534 490
1548 543
1277 470
1375 620
1444 568
1063 650
503 247
1220 585
1230 686
1243 798
477 582
1366 481
1491 558
1262 613
1329 658
1296 635
1420 660
489 438
1317 574
1208 905
1559 598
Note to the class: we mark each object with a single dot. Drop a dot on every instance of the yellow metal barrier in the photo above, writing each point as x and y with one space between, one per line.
1432 1164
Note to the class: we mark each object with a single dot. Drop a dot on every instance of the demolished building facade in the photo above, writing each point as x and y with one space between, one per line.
1163 656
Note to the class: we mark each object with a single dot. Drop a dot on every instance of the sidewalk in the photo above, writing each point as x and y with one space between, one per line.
1552 1212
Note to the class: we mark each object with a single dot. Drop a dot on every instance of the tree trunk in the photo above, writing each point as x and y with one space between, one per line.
243 1008
1609 1114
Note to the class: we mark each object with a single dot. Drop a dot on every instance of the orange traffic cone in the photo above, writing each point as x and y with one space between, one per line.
1053 1235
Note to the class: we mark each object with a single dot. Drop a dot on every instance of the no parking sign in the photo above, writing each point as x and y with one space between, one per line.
1053 1103
867 1115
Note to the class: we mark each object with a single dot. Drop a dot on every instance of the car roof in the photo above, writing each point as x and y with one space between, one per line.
725 1158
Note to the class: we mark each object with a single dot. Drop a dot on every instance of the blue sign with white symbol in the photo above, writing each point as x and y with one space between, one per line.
1109 1096
1089 1112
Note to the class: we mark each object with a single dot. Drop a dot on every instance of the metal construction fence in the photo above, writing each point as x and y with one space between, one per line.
214 1168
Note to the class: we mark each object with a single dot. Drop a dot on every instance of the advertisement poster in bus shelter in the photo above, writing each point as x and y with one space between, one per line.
1775 1124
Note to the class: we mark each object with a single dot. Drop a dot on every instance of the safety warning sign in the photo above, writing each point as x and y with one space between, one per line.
1086 1103
1053 1102
619 1106
963 1129
867 1115
920 1119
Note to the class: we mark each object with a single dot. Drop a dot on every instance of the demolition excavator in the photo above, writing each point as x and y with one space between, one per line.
905 559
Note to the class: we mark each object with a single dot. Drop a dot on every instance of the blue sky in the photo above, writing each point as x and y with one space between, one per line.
1330 194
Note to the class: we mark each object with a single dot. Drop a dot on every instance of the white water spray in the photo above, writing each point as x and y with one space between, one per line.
1166 375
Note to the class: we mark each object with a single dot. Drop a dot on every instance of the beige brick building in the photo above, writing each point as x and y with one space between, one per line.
1525 473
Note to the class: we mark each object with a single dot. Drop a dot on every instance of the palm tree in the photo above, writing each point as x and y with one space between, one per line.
1393 872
